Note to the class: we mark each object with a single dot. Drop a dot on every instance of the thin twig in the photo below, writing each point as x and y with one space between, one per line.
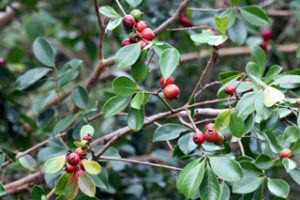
120 7
241 146
189 28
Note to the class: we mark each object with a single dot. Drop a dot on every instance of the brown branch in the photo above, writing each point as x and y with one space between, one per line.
8 16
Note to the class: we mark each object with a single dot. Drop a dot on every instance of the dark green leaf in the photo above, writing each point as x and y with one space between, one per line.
234 2
295 174
291 134
2 189
236 125
108 12
135 119
246 185
138 100
259 57
159 47
44 52
272 141
34 27
254 15
222 23
298 51
168 61
124 87
128 55
101 180
87 185
114 106
55 148
37 192
40 102
289 164
168 132
80 97
223 120
245 106
272 73
140 70
264 162
210 187
64 123
186 143
278 187
45 118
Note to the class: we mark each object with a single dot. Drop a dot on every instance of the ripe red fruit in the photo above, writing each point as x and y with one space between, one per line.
171 91
148 34
88 138
198 137
209 126
264 45
184 20
125 42
70 168
143 44
81 152
267 34
128 21
220 140
229 90
73 159
285 153
211 135
162 82
2 62
140 25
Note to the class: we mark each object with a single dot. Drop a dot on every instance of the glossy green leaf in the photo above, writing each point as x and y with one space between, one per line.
259 57
86 185
28 162
222 23
237 33
272 141
85 130
114 106
64 123
69 73
245 105
246 185
114 23
168 132
55 164
136 118
253 68
2 189
226 168
124 87
236 125
289 164
223 120
186 143
288 81
128 55
138 100
134 3
224 191
44 52
101 180
109 12
168 61
264 162
209 38
80 97
30 77
92 167
272 73
55 148
190 178
291 134
261 110
210 187
295 174
278 187
254 15
272 96
140 70
37 192
40 102
62 183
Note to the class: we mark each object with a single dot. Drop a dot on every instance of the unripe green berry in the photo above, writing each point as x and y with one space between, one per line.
137 14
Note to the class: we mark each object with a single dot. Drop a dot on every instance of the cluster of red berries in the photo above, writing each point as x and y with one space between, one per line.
184 20
140 32
210 135
170 90
2 62
77 157
266 36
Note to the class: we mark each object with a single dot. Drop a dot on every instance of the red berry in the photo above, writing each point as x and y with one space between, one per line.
184 20
134 37
162 82
220 140
148 34
264 45
171 91
2 62
88 138
70 168
267 34
128 21
140 25
229 90
211 135
126 42
285 153
198 137
209 126
143 44
81 152
73 159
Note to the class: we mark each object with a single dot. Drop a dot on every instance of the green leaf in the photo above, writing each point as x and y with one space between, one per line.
231 14
272 73
234 2
138 100
278 187
288 81
85 130
80 97
92 167
222 23
109 12
30 77
72 187
114 106
210 187
237 33
2 159
28 162
168 61
44 52
289 164
168 132
190 178
55 148
64 123
261 110
124 87
40 102
245 105
272 141
272 96
223 120
101 180
2 189
114 23
186 143
254 15
236 125
246 185
225 192
291 134
253 69
134 3
209 38
55 164
295 174
135 119
159 47
259 57
298 51
87 185
140 70
128 55
226 168
62 183
37 192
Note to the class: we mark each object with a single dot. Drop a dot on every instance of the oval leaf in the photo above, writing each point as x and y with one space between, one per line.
186 143
72 187
114 106
62 183
236 125
278 187
28 162
85 130
31 77
128 55
168 132
44 52
109 12
223 120
80 97
168 61
255 15
124 86
138 100
272 96
92 167
135 119
210 187
64 123
55 164
87 185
